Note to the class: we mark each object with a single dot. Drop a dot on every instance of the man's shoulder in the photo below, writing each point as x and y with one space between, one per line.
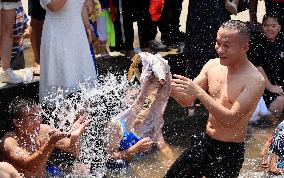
254 72
215 61
212 64
254 76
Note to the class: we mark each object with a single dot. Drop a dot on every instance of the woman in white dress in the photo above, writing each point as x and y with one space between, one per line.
66 60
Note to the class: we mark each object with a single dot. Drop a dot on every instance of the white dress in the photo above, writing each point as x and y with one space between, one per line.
65 55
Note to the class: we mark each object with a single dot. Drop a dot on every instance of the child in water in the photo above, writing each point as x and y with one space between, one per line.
123 145
232 6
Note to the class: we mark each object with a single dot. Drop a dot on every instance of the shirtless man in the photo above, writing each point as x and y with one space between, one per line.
29 146
230 88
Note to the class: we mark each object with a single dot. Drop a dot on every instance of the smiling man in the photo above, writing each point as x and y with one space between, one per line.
230 88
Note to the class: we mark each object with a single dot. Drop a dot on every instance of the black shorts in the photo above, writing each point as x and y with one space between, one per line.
210 158
36 11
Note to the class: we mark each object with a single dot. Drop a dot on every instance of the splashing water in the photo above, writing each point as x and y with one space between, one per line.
109 97
98 104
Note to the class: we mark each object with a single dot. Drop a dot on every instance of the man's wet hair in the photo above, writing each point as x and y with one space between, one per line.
18 105
241 27
274 16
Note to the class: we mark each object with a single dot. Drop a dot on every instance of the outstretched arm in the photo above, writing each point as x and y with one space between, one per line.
144 145
21 158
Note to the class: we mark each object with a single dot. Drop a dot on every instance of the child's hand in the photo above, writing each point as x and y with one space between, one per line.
26 33
144 145
90 32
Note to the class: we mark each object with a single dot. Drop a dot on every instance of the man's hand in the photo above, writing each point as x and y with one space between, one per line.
185 85
79 127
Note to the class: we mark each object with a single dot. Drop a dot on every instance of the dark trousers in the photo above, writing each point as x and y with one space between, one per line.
169 21
210 158
133 11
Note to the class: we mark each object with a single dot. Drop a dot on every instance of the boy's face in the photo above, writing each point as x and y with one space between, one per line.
270 29
89 6
30 120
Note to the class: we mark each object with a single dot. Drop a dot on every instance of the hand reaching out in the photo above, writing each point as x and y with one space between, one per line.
144 145
55 135
79 127
184 85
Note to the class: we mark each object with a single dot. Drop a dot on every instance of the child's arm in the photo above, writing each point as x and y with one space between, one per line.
87 24
113 143
142 146
26 29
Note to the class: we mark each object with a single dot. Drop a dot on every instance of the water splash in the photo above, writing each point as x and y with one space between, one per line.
98 104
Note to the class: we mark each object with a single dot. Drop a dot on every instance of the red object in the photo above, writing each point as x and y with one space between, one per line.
113 10
155 9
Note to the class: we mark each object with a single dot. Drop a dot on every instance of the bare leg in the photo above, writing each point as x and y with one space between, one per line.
6 38
264 155
167 154
35 37
232 6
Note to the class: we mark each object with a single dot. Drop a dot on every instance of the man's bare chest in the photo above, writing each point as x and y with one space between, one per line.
225 89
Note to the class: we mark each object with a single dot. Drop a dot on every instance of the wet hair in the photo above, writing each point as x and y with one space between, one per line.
274 16
18 105
241 27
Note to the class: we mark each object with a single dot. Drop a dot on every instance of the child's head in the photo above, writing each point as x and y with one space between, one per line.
90 4
270 27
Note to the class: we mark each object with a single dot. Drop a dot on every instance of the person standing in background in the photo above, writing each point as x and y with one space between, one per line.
8 14
37 14
65 52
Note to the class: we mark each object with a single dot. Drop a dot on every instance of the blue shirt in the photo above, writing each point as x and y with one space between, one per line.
21 23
